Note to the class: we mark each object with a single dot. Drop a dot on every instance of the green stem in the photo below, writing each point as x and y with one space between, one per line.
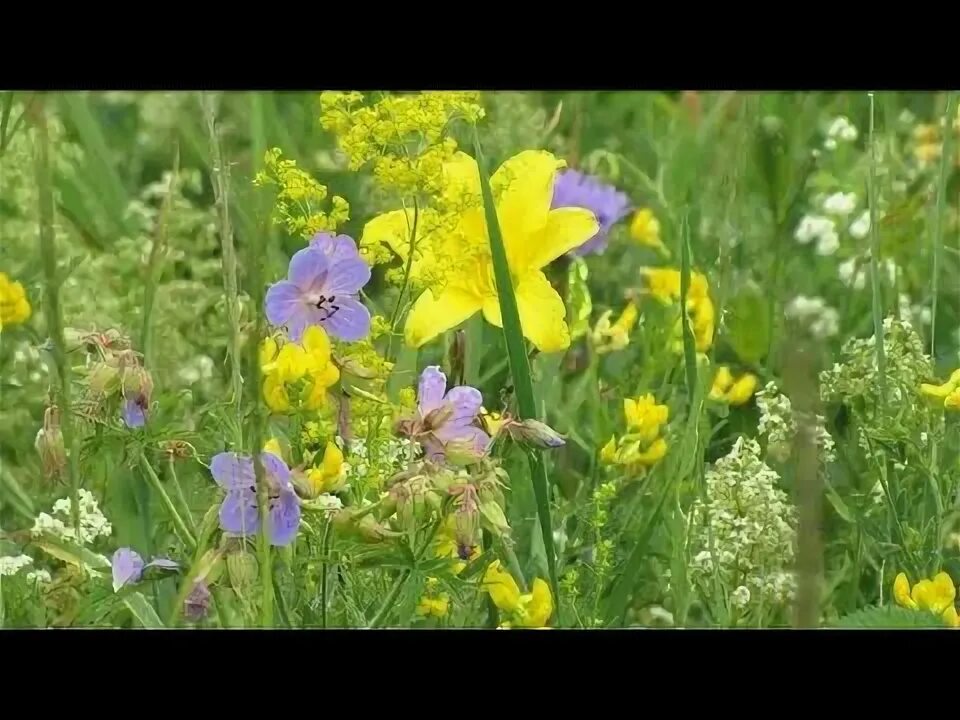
875 263
181 527
406 280
391 598
946 163
184 505
519 365
324 570
53 312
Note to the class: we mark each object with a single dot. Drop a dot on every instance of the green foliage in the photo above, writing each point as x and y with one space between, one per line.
890 617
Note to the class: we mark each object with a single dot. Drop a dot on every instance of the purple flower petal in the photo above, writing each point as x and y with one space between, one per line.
284 518
575 189
133 413
304 317
231 471
335 247
433 449
466 402
433 384
238 513
350 322
346 277
127 567
283 300
277 469
308 269
450 433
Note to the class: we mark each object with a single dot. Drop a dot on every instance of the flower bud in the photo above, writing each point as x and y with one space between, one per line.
103 379
243 570
534 433
197 603
463 452
49 444
493 517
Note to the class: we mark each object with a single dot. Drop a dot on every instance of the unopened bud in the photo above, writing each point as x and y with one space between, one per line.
243 570
463 452
536 434
493 517
197 603
49 444
458 354
103 379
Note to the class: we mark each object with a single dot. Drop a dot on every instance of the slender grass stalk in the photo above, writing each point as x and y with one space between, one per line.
256 260
52 311
875 262
394 593
324 571
946 163
406 280
155 265
179 525
689 348
184 505
519 366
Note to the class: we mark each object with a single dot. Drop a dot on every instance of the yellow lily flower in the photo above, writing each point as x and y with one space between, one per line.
533 236
936 596
732 391
297 376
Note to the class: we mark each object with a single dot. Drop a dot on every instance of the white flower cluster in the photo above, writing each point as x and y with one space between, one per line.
840 130
840 203
93 524
861 226
197 370
752 526
381 460
820 229
814 314
855 271
779 427
39 576
11 565
915 314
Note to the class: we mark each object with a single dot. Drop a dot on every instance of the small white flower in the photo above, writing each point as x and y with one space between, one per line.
828 243
842 129
11 565
840 203
740 597
39 576
830 144
861 226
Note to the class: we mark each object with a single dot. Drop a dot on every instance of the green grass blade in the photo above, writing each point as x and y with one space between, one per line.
946 162
875 261
519 366
689 349
143 612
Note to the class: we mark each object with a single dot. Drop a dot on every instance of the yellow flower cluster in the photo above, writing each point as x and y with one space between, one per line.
642 446
947 394
730 390
935 596
14 306
927 143
300 198
645 230
296 376
403 135
330 476
609 337
664 285
433 603
526 610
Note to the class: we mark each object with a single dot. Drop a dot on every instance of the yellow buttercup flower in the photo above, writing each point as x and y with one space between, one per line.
528 610
664 285
297 376
609 338
936 596
645 229
14 306
533 236
732 391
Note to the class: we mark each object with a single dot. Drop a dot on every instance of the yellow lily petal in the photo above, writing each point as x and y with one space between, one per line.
501 587
566 229
523 190
901 592
391 229
542 314
429 316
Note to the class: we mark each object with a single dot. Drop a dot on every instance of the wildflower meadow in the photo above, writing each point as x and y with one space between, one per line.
457 359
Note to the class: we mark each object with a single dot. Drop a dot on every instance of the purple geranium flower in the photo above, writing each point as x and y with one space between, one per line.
135 411
321 289
447 418
239 514
575 189
128 567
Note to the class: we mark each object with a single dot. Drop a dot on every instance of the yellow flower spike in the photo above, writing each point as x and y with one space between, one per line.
645 229
653 454
901 592
275 395
501 587
329 477
533 235
14 306
644 416
722 380
662 283
537 606
742 389
628 318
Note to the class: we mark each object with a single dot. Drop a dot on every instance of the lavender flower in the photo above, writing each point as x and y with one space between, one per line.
239 514
321 289
197 603
128 567
575 189
447 418
134 411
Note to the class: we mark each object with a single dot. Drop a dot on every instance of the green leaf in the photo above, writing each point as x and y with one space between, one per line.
519 366
748 323
579 302
73 555
891 617
143 611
